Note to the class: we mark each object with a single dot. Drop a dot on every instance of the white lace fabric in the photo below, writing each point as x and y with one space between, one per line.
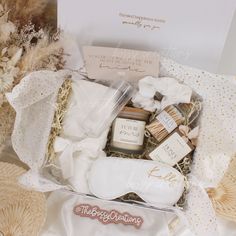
34 101
217 138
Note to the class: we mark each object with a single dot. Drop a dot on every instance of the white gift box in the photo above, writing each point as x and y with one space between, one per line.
191 32
33 100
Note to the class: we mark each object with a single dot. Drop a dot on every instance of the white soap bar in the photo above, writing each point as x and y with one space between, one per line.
156 183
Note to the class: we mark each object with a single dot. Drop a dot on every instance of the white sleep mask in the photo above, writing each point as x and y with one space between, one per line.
156 183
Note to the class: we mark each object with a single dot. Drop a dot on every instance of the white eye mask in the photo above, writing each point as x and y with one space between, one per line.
156 183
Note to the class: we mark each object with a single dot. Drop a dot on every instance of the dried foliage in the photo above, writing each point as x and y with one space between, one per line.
23 48
23 11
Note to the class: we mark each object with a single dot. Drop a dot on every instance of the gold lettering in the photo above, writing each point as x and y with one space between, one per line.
169 177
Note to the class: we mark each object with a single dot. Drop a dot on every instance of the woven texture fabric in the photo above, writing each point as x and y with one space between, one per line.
22 212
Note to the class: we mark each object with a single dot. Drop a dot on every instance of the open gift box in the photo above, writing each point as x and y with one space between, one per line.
33 101
36 98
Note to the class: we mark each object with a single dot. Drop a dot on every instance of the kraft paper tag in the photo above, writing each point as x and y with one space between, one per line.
106 63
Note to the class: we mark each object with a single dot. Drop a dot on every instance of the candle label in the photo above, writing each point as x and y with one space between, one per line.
129 131
167 121
172 150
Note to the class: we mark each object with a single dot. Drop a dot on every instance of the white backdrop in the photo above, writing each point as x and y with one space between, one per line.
228 59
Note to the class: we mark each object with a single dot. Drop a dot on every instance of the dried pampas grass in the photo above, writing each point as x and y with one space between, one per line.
23 48
46 54
23 11
224 196
50 14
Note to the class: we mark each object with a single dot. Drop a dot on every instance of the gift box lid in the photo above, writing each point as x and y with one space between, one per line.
188 31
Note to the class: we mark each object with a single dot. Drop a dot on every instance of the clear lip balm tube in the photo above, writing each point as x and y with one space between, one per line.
106 110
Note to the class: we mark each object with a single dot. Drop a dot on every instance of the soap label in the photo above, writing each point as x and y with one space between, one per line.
167 121
172 150
106 63
129 131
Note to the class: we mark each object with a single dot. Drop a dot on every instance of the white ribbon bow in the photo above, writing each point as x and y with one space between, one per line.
90 147
189 134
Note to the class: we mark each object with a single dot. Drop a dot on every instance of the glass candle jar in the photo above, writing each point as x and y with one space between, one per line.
128 130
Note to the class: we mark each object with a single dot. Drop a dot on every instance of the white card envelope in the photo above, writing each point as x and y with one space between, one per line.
188 31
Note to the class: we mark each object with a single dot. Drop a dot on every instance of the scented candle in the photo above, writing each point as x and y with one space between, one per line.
128 130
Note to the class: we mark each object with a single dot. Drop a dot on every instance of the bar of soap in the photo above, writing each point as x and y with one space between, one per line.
156 183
